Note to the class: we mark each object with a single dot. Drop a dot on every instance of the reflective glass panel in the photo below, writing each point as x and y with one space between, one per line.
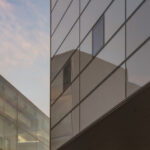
132 5
94 10
65 26
65 103
114 18
103 99
138 27
66 50
65 130
59 12
105 62
138 69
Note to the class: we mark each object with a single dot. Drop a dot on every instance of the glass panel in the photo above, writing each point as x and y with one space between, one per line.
114 17
32 119
58 83
138 69
66 50
1 97
57 87
58 12
83 4
132 5
61 133
8 134
1 87
1 105
8 99
92 14
65 130
53 2
26 141
65 26
138 28
10 94
40 146
75 121
10 111
98 36
2 133
43 129
104 98
65 103
86 51
105 62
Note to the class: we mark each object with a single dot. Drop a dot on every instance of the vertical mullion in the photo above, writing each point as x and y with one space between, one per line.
79 63
50 139
125 49
104 29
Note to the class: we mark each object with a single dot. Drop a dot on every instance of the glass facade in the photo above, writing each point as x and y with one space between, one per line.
100 53
22 125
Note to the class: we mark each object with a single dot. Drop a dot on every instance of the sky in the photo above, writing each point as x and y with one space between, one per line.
24 48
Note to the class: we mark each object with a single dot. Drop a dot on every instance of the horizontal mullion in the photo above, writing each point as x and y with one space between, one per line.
105 79
61 18
70 30
82 40
54 6
92 57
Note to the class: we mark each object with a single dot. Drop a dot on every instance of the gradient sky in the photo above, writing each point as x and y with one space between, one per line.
24 48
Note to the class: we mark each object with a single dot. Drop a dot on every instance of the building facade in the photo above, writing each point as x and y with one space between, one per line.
22 125
100 53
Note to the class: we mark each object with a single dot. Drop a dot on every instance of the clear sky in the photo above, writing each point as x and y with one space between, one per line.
24 48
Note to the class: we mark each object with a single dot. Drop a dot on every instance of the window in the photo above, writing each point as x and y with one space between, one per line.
67 75
98 36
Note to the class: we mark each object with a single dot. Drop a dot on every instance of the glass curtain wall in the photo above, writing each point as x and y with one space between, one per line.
99 57
22 125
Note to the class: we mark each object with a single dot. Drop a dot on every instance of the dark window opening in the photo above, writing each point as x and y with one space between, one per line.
98 36
67 75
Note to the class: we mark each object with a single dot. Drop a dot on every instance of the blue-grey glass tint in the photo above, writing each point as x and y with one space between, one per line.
98 36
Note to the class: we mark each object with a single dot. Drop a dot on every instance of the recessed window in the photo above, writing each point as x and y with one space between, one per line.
67 75
98 36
